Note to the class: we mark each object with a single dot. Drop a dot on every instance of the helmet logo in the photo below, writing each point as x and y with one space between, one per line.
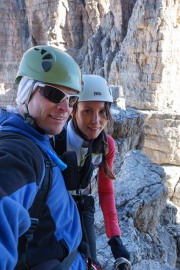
97 93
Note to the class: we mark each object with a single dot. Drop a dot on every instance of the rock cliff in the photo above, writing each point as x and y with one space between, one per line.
133 44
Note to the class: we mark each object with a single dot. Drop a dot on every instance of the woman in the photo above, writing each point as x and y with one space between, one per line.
95 149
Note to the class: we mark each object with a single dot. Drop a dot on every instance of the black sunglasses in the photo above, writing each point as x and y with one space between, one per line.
56 95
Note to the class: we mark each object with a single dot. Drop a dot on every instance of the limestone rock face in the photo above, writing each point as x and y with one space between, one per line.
140 200
134 44
162 141
15 38
147 60
173 186
148 234
127 130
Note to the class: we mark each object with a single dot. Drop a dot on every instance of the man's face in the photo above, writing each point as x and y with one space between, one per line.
49 116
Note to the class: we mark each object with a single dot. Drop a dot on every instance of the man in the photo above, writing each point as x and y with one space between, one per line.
42 233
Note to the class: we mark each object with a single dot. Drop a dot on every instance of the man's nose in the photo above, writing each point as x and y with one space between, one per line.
63 105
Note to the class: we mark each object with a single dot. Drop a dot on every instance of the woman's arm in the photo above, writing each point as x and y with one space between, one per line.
106 194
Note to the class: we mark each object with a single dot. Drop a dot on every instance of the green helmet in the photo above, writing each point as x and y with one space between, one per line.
50 65
95 88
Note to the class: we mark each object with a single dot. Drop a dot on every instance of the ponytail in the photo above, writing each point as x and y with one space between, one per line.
107 171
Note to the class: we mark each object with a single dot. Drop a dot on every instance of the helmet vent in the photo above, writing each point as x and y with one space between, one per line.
46 65
48 56
43 51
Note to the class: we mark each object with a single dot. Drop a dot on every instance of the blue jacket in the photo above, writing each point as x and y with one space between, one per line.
21 174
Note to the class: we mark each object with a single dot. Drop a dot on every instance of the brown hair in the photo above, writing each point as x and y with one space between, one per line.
107 171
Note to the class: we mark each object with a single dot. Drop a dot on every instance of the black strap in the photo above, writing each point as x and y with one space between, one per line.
66 263
71 173
40 200
74 177
37 208
84 203
60 142
87 168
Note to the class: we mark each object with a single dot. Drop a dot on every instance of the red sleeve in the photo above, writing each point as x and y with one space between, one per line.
106 194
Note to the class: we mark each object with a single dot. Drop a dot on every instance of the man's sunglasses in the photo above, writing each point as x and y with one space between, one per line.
56 95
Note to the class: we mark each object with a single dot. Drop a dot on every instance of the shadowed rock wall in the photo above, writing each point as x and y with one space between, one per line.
132 43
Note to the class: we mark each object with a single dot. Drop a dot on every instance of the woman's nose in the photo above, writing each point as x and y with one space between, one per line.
95 118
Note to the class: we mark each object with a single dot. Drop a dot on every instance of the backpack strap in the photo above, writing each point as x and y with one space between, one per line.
60 142
36 209
41 197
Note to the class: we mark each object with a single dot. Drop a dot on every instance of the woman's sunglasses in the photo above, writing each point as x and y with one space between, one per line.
56 95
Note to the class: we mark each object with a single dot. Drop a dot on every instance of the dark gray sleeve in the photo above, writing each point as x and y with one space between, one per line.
21 162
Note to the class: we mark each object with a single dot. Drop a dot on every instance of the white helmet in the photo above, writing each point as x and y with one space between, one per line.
95 88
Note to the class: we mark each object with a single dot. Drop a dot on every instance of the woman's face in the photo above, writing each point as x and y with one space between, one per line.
91 118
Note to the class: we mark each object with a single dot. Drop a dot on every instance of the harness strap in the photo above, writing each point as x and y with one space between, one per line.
84 203
66 263
87 169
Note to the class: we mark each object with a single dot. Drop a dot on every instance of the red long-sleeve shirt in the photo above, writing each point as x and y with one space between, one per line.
106 194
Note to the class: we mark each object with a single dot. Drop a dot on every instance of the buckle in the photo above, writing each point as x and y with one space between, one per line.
34 223
32 228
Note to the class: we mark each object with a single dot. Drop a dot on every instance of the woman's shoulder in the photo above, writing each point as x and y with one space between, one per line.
110 140
111 145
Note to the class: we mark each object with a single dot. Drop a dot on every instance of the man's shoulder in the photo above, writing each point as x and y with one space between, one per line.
21 149
21 161
13 140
